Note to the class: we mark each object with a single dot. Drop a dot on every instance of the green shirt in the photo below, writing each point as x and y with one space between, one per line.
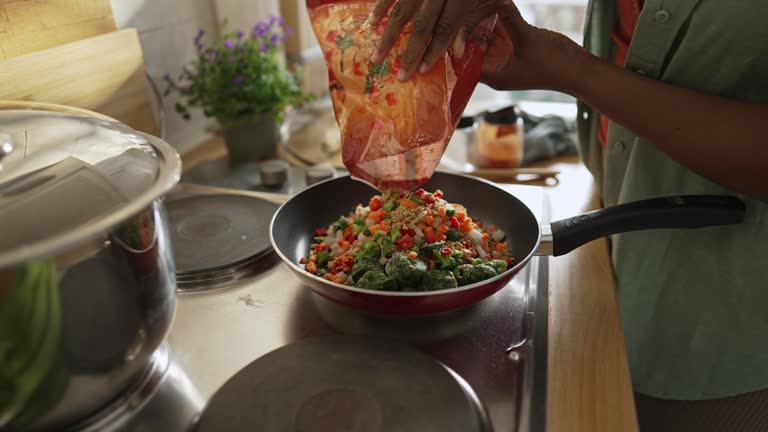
694 303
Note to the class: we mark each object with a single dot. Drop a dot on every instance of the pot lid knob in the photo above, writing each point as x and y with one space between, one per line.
318 173
274 173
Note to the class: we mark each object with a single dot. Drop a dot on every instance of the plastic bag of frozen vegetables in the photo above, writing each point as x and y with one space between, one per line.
393 134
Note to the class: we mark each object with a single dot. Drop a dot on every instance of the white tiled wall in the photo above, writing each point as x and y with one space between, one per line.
166 29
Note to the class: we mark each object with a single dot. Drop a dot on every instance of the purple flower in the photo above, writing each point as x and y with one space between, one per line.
229 43
264 47
240 35
232 59
260 29
198 38
239 80
272 20
276 39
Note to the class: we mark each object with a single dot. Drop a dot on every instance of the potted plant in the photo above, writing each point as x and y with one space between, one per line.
241 80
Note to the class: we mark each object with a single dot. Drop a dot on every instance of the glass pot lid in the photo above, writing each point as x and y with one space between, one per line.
67 175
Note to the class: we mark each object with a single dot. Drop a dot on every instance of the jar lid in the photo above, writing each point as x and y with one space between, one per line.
504 116
68 175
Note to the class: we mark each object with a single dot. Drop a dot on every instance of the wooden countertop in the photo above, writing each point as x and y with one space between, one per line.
589 388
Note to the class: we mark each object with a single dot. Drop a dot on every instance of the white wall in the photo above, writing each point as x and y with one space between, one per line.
166 29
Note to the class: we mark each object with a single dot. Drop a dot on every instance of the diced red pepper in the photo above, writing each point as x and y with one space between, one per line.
375 203
321 232
356 69
321 247
438 193
446 251
409 232
420 193
391 99
331 37
429 200
454 222
404 243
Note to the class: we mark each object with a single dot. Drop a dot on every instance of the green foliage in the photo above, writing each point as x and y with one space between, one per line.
239 76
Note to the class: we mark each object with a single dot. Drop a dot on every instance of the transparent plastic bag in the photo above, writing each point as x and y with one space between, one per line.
393 134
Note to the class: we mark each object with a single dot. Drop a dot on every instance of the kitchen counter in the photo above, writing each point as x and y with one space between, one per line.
588 387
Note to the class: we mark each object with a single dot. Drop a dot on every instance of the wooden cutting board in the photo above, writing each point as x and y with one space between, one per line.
32 25
104 73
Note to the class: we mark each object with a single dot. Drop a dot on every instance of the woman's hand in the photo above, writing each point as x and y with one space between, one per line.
523 57
437 25
519 55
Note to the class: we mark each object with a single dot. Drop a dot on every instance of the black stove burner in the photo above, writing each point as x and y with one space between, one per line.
347 384
214 235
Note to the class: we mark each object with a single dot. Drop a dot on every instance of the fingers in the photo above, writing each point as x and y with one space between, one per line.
483 10
447 28
510 16
423 26
380 10
402 12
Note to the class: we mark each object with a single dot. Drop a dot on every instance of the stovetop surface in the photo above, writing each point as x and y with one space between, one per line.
215 334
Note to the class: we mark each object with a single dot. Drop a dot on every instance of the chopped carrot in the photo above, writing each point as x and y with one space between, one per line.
429 220
378 215
384 226
429 233
486 236
303 261
412 255
441 211
467 227
441 237
312 268
442 229
328 276
422 226
408 203
501 247
461 215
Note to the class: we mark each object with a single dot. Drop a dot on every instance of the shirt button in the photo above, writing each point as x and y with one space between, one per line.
621 146
662 16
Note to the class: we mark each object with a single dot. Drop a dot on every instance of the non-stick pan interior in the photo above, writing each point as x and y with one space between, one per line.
322 204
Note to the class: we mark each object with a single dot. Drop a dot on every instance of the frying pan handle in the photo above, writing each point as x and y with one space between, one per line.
689 212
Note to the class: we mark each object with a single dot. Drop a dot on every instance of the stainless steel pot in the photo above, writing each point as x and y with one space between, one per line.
87 279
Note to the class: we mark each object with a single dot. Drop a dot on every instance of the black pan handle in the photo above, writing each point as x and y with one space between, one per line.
690 212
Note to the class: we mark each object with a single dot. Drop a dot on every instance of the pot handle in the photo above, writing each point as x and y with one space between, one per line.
689 212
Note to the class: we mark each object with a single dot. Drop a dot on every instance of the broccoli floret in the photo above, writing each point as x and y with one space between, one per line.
438 279
387 246
407 272
476 273
370 250
364 265
499 265
377 280
452 235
